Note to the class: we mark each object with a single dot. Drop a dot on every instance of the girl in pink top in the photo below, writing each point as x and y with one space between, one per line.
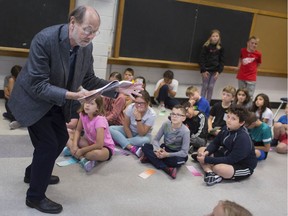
96 144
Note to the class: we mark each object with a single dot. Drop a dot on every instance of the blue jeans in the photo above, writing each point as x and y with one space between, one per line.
148 151
164 97
120 138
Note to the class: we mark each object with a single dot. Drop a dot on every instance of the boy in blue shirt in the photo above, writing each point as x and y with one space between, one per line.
200 103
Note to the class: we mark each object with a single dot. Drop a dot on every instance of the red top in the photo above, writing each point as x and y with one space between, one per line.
249 64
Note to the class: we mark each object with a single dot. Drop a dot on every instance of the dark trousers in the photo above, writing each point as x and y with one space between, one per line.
49 136
147 149
8 113
163 96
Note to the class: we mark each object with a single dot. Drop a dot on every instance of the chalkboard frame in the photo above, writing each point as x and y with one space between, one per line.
117 59
18 51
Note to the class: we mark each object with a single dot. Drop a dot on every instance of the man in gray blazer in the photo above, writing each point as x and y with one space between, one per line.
60 61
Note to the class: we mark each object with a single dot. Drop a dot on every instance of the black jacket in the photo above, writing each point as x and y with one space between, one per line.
211 59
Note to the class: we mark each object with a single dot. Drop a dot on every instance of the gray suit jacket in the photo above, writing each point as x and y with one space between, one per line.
42 82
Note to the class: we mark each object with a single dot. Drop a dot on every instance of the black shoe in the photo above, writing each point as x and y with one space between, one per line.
53 180
45 205
194 156
211 178
274 142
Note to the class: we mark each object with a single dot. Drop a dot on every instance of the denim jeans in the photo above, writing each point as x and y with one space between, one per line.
120 138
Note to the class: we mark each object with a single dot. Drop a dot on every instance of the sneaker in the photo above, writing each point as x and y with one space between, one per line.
139 152
14 125
211 178
66 152
274 142
194 156
172 171
191 149
162 108
144 159
87 164
134 149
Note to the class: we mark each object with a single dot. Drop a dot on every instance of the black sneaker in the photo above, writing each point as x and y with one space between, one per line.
191 149
211 178
194 156
274 142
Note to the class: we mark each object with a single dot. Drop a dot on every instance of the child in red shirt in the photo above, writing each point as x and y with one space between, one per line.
249 61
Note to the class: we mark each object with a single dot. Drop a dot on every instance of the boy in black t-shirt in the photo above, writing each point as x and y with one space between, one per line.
218 112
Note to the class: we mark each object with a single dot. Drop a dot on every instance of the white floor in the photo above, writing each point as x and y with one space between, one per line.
114 187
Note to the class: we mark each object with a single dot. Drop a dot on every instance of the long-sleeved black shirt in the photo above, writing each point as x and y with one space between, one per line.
211 59
236 147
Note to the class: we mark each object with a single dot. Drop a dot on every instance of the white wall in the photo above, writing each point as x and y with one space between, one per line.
274 87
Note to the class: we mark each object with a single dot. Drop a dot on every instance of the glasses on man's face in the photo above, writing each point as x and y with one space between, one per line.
140 103
176 115
89 31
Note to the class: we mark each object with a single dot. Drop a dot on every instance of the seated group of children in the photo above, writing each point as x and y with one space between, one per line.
237 130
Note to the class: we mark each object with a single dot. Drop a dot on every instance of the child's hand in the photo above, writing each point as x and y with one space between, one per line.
137 114
205 74
162 153
74 149
216 75
78 153
192 102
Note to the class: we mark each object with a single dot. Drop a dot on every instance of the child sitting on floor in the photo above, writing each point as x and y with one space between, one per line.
197 124
96 144
280 131
174 151
231 155
260 134
196 100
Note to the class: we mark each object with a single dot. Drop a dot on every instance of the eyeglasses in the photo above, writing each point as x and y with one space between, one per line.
140 103
176 115
89 31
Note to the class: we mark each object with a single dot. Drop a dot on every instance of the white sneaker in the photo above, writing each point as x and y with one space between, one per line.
162 108
139 152
14 125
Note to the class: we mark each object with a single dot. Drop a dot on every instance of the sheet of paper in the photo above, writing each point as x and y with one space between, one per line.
67 162
194 171
147 173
